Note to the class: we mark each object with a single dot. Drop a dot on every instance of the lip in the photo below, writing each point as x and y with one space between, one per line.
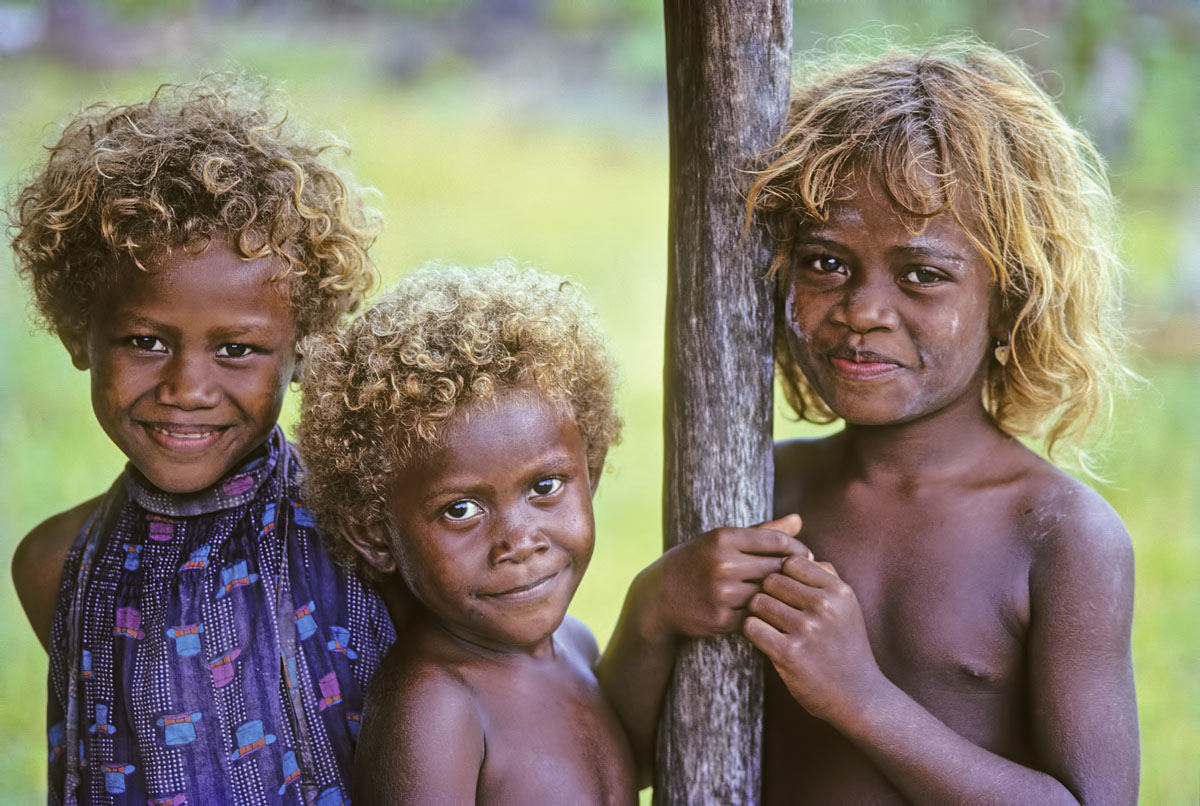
525 593
862 365
183 438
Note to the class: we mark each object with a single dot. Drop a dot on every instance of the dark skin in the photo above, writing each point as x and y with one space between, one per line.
961 630
493 696
189 364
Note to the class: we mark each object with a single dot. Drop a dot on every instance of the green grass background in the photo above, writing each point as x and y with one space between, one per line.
469 170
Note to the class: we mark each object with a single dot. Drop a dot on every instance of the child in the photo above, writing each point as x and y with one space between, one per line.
455 435
947 283
202 645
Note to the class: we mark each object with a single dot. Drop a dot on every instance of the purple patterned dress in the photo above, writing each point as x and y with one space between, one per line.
206 649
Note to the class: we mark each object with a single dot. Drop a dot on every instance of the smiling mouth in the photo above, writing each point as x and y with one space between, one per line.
183 437
525 592
862 365
182 434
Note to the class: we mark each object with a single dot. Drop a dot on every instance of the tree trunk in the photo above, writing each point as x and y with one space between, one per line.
728 79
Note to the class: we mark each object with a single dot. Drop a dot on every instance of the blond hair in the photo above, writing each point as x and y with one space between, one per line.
196 162
381 388
1029 189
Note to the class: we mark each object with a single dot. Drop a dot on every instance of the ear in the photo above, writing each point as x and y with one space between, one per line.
371 542
76 344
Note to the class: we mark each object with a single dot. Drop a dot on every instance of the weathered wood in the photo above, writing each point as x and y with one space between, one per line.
728 77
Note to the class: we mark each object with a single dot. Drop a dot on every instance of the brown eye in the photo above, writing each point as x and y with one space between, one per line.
822 264
462 510
547 486
234 350
149 344
922 276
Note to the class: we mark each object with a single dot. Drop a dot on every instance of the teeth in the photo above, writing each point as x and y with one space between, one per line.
177 435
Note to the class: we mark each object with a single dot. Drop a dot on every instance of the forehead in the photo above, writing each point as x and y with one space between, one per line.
496 437
211 284
864 212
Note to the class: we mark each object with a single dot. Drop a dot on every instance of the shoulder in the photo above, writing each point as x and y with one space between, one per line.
1079 546
578 639
38 564
422 692
422 735
1065 515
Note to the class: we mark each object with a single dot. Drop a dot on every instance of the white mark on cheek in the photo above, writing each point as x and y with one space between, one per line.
798 337
954 323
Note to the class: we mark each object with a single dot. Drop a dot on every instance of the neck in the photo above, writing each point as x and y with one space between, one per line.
944 446
463 643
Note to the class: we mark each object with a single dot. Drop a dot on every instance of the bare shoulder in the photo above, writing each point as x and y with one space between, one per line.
38 563
422 737
576 636
411 688
1067 517
1079 548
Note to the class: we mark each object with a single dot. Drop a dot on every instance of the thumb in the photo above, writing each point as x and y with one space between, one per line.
788 524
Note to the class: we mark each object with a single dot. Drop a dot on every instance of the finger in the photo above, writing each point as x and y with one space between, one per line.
788 524
804 569
768 541
755 567
793 593
764 637
778 614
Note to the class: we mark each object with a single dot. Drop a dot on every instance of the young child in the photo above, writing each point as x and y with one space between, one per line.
454 436
946 283
203 647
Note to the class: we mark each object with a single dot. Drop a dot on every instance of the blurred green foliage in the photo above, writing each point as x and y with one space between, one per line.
495 145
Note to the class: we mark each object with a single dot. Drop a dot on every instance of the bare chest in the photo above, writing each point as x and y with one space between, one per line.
553 739
944 596
943 588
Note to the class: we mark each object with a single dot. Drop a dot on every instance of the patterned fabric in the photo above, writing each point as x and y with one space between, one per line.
206 649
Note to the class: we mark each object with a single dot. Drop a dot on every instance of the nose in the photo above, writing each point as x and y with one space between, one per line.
518 540
868 303
186 383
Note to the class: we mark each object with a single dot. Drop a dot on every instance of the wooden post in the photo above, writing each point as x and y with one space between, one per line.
728 79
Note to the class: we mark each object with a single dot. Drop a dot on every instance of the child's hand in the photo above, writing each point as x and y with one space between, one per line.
701 588
808 623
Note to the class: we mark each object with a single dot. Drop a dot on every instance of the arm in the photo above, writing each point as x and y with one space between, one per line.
1083 714
38 564
422 743
697 589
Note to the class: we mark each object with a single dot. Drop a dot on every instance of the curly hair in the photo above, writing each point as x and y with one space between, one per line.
380 388
195 162
1028 189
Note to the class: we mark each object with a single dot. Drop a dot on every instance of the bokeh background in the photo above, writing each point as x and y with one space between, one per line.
537 129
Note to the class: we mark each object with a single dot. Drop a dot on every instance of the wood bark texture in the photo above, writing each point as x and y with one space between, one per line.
728 80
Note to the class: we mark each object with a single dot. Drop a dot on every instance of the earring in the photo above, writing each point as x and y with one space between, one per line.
1001 352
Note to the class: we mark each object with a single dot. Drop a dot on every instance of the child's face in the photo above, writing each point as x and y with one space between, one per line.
190 362
494 528
889 325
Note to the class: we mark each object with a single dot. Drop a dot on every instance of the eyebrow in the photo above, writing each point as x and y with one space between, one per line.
920 250
253 328
548 463
916 250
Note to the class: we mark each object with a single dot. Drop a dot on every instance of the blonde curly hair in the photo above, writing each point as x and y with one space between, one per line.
1029 190
196 162
378 390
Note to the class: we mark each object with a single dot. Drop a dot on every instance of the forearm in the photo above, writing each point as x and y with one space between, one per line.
634 672
931 763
